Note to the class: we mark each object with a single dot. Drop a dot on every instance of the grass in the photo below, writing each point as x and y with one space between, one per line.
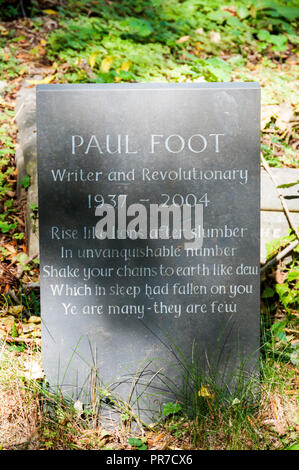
33 418
20 408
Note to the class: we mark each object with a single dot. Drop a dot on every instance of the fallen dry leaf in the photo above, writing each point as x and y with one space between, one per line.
33 370
280 276
34 319
44 81
16 310
124 67
285 114
106 64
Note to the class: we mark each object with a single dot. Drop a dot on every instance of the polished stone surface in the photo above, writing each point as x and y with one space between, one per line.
130 308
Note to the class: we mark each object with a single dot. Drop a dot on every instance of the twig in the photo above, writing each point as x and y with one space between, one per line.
19 110
13 295
23 9
9 339
281 255
293 245
30 285
19 220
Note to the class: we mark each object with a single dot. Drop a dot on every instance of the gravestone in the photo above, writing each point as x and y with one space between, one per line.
149 236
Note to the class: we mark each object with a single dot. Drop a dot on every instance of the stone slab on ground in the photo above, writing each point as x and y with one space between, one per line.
269 197
274 225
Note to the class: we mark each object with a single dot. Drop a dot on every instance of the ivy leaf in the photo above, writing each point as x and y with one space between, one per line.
263 35
44 81
171 408
25 182
268 292
6 227
280 42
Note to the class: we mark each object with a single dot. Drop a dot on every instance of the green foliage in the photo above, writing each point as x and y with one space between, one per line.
25 182
76 35
153 35
6 226
286 157
268 292
171 409
274 245
22 259
288 291
6 221
17 347
139 444
279 41
9 65
285 296
19 236
214 69
14 331
8 10
31 303
293 447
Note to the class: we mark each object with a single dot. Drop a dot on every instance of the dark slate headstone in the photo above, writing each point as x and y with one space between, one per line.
149 236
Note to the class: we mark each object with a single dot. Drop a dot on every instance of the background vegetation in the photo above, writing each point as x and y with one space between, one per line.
154 40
